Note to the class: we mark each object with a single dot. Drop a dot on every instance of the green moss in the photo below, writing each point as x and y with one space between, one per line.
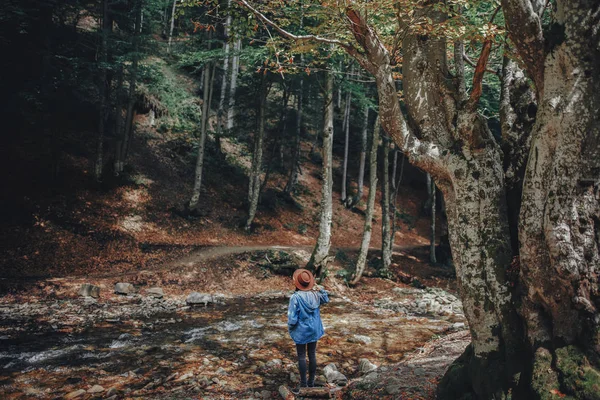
544 381
577 376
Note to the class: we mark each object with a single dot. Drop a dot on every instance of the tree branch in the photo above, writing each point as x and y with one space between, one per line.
478 75
472 64
303 38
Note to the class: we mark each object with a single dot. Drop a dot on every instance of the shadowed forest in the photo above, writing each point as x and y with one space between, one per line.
168 165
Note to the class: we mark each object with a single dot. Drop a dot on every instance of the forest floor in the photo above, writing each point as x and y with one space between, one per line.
57 344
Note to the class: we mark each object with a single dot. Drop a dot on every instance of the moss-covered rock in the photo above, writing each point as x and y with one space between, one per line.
544 381
578 377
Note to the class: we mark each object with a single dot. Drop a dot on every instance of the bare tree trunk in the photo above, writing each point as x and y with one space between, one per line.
119 132
255 184
128 131
368 227
235 65
394 202
361 166
295 165
206 97
386 231
320 255
172 26
106 28
346 128
221 110
432 258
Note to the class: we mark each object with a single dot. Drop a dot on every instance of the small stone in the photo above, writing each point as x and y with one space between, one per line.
196 298
155 292
458 326
184 377
365 366
96 389
75 394
124 288
360 339
89 290
265 394
293 378
112 392
221 371
275 363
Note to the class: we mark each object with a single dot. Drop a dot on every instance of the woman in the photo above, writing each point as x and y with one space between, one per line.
304 322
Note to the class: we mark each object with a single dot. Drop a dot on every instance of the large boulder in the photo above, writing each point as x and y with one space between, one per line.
124 288
89 290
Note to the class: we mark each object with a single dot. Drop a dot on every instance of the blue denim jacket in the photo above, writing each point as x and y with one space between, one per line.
304 317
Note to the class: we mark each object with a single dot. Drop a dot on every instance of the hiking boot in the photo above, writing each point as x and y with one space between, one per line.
296 390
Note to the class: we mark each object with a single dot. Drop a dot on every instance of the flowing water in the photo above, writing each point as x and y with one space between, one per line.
240 349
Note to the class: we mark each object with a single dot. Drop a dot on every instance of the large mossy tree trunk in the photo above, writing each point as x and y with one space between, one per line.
559 220
320 256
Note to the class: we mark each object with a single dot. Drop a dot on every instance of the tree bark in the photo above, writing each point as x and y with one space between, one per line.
368 227
517 116
320 255
257 156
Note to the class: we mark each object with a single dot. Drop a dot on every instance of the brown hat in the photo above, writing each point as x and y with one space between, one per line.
303 279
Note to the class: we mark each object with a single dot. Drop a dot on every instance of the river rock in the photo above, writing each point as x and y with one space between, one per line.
96 389
365 366
124 288
196 298
112 392
334 376
275 363
360 339
155 292
75 394
89 290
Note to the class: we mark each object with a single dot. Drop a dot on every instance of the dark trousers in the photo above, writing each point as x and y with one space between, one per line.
312 363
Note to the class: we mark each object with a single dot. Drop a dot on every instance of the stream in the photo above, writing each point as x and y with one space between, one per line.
157 348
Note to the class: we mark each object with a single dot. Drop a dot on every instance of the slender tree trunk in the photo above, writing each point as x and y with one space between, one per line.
432 258
368 227
320 255
106 28
346 127
206 97
394 202
361 166
119 132
386 230
222 98
295 165
235 65
254 185
172 26
129 115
